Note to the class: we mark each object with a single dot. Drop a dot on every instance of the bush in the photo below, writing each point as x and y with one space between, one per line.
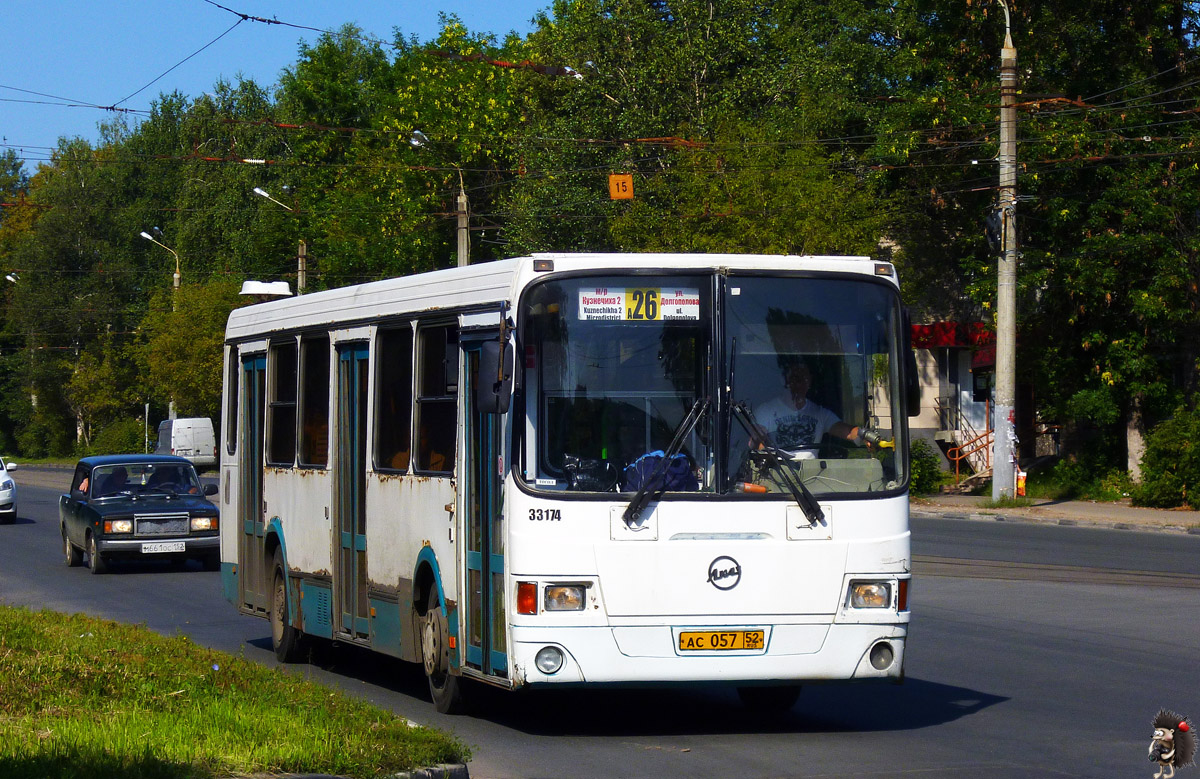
1087 478
1171 465
46 435
125 436
926 464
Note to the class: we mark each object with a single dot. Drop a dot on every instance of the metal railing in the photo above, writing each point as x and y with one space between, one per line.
981 443
976 447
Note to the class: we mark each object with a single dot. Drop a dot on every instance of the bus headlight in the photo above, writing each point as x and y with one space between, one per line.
870 595
118 526
549 660
565 597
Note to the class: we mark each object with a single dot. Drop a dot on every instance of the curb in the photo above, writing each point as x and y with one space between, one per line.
1060 521
443 771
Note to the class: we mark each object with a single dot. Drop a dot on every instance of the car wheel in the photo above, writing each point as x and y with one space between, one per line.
96 561
285 639
72 553
444 688
774 700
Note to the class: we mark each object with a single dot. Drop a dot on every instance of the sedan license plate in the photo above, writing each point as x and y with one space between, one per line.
720 640
164 546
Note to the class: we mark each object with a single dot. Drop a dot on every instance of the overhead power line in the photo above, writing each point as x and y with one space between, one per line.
177 64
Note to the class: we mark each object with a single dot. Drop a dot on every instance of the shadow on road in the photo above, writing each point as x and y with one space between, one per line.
608 711
822 708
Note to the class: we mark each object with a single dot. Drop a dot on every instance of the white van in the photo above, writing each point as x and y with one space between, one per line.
191 438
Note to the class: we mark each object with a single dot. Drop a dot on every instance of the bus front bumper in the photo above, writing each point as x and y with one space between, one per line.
646 655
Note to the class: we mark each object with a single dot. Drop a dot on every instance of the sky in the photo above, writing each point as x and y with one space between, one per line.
63 58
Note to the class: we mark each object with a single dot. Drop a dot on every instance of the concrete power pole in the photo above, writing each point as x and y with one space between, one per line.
464 251
1004 454
301 268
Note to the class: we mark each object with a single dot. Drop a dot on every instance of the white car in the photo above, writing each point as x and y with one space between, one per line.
8 493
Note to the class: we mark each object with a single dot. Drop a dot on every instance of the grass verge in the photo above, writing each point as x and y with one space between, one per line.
85 698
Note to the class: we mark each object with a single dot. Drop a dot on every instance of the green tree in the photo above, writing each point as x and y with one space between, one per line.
101 388
180 350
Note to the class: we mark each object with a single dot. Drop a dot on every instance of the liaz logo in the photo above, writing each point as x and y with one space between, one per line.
724 573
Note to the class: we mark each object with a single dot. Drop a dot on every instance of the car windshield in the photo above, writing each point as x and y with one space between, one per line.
144 478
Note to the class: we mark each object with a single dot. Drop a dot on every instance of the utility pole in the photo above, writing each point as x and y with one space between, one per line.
1004 455
464 250
301 268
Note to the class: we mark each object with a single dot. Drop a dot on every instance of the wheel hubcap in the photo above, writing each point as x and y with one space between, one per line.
432 645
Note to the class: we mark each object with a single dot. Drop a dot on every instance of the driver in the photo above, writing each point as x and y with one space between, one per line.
795 423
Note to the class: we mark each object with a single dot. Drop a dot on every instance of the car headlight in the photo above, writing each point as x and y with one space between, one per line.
565 597
870 595
204 523
7 484
118 526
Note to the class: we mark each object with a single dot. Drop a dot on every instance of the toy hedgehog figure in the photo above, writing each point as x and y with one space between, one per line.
1173 745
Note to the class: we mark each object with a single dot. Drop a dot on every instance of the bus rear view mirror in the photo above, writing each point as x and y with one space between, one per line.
493 390
912 379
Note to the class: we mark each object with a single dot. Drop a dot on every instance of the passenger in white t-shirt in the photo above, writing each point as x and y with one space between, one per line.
795 423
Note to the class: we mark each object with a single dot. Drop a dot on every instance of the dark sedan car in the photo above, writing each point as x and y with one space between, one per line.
139 505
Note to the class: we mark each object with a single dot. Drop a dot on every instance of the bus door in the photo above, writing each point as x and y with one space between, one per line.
350 484
483 463
252 565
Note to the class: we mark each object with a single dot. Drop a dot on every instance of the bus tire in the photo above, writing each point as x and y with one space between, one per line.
444 688
285 639
775 700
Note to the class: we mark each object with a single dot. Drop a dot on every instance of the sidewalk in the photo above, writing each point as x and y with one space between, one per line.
1121 516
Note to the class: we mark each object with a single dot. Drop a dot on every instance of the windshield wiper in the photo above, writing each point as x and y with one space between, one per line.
647 492
775 456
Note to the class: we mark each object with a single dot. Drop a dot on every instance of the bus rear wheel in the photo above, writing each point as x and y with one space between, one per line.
444 687
285 639
769 699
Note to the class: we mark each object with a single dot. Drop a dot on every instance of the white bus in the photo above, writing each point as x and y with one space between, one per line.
609 507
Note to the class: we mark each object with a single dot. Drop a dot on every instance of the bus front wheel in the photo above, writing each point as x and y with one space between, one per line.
285 639
444 687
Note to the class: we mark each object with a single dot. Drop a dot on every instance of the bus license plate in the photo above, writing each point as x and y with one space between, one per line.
164 546
720 640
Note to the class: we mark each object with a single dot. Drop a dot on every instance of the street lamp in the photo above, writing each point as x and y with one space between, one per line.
263 193
302 253
174 304
152 239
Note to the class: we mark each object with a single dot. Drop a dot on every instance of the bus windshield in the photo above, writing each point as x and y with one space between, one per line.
814 385
613 366
798 381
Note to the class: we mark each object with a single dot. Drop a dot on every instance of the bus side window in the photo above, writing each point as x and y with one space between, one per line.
437 402
281 430
314 400
393 399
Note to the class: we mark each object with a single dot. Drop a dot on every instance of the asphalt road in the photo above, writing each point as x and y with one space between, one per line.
1049 655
